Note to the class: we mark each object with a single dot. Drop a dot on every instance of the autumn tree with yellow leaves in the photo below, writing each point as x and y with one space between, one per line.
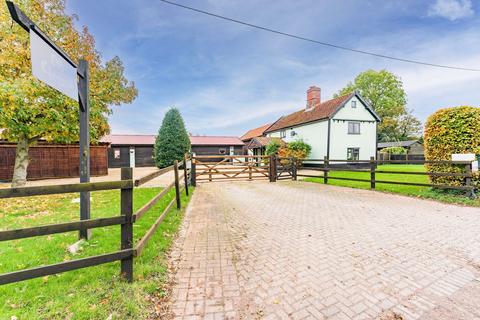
29 109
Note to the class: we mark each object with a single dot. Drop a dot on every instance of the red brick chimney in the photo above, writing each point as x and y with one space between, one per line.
313 97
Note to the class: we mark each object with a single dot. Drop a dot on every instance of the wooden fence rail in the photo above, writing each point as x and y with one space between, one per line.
126 219
371 166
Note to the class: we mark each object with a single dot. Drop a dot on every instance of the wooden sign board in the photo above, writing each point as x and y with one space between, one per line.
50 67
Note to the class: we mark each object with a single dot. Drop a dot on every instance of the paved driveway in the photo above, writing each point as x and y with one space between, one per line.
296 250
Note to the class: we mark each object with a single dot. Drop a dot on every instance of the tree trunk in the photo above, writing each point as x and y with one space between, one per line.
21 163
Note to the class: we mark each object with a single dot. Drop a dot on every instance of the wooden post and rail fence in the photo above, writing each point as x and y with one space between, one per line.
128 249
328 166
208 168
194 169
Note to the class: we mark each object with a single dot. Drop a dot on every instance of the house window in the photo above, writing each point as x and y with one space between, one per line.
354 104
353 154
283 134
354 128
116 153
232 150
222 151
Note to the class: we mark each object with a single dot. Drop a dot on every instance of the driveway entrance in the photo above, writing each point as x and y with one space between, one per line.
296 250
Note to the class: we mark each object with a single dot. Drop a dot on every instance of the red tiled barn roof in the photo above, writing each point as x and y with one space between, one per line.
257 132
129 139
135 139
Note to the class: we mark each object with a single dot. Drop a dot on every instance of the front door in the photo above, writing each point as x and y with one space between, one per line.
132 157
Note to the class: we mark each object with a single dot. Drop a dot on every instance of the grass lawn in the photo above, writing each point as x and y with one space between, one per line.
450 196
89 293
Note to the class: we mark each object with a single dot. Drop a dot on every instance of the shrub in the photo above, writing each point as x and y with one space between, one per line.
448 131
296 149
272 147
394 150
172 141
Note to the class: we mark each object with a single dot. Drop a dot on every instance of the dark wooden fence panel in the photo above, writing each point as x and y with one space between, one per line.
53 161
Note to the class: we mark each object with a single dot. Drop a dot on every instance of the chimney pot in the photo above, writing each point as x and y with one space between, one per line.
313 97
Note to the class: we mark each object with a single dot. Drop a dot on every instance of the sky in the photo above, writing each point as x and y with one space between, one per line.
227 78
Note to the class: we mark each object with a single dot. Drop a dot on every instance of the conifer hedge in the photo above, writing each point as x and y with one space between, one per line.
448 131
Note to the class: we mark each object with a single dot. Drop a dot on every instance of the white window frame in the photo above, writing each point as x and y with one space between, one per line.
351 125
352 157
283 133
117 153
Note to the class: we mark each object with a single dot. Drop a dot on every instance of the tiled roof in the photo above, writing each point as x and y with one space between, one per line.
215 141
129 139
258 142
257 132
323 111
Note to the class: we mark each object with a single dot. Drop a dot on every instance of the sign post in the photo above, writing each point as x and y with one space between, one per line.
84 115
54 67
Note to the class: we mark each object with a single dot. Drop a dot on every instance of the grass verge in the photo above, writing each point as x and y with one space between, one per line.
448 196
89 293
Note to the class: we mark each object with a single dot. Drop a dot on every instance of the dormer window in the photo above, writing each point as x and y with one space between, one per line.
354 104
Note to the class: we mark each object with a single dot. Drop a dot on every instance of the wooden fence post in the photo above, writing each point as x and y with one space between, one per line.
193 173
126 202
177 184
468 180
325 172
294 169
249 171
372 173
185 173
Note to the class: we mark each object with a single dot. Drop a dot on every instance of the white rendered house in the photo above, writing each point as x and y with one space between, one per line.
340 128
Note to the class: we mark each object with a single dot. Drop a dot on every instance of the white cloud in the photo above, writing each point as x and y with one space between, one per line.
451 9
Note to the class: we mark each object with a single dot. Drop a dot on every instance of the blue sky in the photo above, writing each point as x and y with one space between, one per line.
227 78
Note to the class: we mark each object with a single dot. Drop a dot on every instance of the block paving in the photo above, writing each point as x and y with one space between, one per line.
298 250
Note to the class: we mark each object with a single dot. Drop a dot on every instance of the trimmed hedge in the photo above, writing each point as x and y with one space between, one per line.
448 131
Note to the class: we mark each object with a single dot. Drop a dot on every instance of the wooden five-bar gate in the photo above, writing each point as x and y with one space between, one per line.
208 168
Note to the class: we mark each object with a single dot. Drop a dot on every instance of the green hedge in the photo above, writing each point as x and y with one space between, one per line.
448 131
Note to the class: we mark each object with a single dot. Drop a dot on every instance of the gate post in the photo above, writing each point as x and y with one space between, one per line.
185 173
294 168
372 173
126 203
325 171
272 165
177 184
193 173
